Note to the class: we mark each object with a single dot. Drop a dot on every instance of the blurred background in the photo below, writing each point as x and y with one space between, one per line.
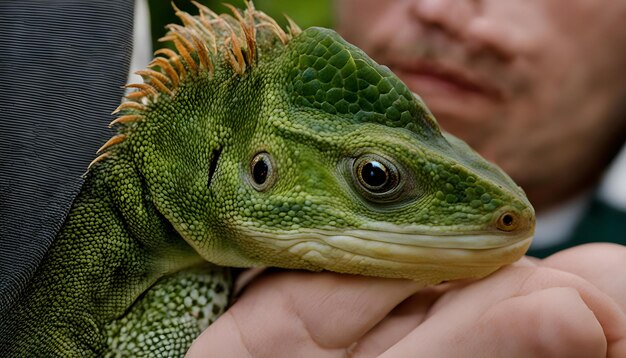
304 13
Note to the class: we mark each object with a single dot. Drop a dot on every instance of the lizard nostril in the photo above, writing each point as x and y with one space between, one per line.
508 221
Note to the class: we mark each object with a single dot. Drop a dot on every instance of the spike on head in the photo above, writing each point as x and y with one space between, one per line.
144 87
168 71
111 142
204 10
129 105
235 54
294 29
152 74
185 48
128 118
173 59
98 159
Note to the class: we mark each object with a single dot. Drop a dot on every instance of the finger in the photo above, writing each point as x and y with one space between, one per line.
336 310
606 310
609 315
520 280
398 323
600 263
534 325
410 314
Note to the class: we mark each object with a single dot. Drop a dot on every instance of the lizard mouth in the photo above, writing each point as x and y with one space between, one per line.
399 254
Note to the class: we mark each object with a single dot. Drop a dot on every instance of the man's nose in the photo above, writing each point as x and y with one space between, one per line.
465 20
451 16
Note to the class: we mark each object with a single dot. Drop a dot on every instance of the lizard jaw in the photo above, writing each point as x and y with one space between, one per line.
398 255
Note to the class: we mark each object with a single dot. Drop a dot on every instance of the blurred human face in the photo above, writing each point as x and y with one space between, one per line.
538 86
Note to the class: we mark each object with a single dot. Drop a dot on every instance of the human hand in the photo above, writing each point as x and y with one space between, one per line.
572 304
531 308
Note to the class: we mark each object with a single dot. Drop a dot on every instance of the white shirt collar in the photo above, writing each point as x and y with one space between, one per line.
555 225
613 186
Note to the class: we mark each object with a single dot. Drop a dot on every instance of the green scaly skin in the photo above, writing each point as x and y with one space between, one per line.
140 265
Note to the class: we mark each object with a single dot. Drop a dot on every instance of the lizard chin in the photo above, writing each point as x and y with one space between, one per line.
397 254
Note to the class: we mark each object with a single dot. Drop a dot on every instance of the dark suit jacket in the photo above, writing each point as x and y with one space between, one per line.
61 69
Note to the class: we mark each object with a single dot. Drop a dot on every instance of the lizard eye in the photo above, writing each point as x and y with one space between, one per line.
376 177
262 171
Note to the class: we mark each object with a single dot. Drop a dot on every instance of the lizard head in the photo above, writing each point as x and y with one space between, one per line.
302 152
348 171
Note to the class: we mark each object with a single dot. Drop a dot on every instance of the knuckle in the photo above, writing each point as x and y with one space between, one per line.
566 327
551 322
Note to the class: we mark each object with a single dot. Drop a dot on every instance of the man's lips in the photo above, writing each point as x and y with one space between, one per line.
429 77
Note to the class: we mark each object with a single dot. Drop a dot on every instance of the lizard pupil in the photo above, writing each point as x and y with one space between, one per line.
374 174
377 178
259 171
262 172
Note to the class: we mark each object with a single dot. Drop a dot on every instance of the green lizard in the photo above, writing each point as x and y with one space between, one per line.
254 146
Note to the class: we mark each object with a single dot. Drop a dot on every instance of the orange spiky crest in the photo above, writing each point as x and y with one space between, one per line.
200 43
